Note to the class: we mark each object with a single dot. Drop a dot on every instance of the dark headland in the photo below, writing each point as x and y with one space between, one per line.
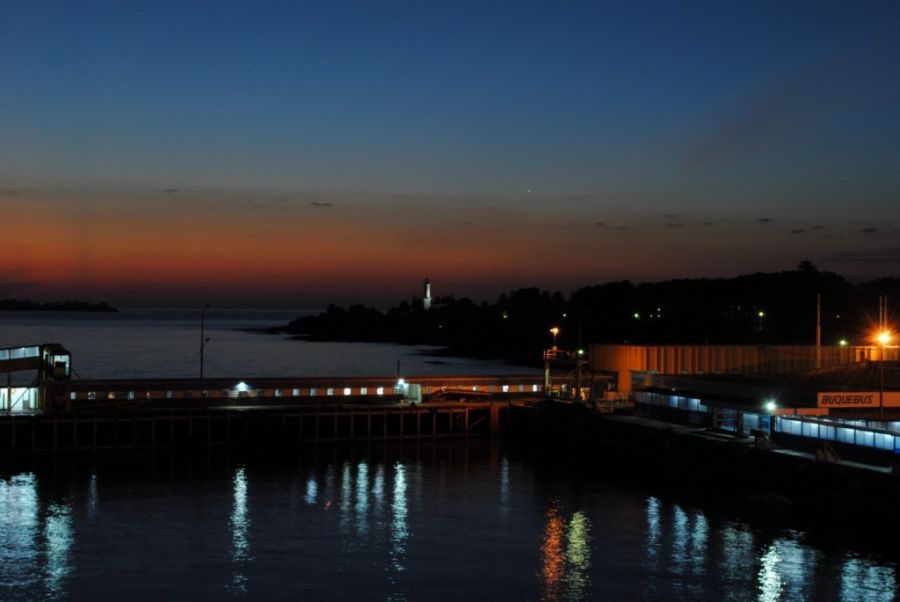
763 308
26 305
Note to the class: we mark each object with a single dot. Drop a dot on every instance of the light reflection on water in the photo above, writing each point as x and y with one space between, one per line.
398 529
240 524
58 538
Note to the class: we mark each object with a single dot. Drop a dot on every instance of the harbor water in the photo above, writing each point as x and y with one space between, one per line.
470 520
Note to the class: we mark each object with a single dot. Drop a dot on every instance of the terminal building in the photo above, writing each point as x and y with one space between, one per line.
844 399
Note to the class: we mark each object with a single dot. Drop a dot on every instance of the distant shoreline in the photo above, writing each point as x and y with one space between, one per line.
80 306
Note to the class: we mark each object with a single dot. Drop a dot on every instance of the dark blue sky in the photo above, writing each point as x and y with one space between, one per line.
635 140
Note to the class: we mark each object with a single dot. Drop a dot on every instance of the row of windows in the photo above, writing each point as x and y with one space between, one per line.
246 392
840 432
670 401
19 353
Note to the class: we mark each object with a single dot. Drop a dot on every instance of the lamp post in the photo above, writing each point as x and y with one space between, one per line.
771 406
884 337
554 331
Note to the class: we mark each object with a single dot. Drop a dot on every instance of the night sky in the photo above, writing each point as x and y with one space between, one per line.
292 154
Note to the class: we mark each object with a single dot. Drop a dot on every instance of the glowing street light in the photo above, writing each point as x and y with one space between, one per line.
883 338
554 331
771 406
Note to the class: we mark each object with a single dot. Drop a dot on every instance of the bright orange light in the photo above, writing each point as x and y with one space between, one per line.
554 331
554 558
884 337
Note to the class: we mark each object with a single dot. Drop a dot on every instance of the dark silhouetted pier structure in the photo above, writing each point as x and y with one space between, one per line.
125 414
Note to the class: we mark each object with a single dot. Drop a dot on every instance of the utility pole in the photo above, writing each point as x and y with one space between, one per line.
203 341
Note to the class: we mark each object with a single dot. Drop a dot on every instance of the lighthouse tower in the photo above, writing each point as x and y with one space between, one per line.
426 298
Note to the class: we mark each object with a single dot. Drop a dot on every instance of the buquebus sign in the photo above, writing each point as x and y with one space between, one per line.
858 399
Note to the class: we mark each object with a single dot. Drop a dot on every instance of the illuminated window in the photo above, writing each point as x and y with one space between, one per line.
73 396
505 388
131 395
296 392
379 391
534 388
110 395
363 391
312 392
329 391
347 391
277 392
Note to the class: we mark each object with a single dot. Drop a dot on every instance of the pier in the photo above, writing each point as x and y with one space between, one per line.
248 425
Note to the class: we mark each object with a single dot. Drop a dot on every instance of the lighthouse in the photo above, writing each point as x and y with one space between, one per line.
426 298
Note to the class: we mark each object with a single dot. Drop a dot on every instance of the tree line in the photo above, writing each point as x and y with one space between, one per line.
760 308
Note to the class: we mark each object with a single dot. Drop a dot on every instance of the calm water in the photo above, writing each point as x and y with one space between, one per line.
444 523
166 343
431 523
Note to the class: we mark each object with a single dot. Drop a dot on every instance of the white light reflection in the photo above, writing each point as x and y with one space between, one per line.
362 497
346 495
770 583
239 523
312 490
378 487
653 530
58 535
864 582
578 553
18 529
680 537
399 530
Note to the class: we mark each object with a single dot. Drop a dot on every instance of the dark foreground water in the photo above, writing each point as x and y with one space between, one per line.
429 523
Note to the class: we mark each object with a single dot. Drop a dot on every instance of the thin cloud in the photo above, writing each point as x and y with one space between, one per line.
321 204
887 255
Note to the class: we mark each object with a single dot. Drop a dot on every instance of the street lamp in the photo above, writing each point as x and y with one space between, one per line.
883 338
554 331
771 406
